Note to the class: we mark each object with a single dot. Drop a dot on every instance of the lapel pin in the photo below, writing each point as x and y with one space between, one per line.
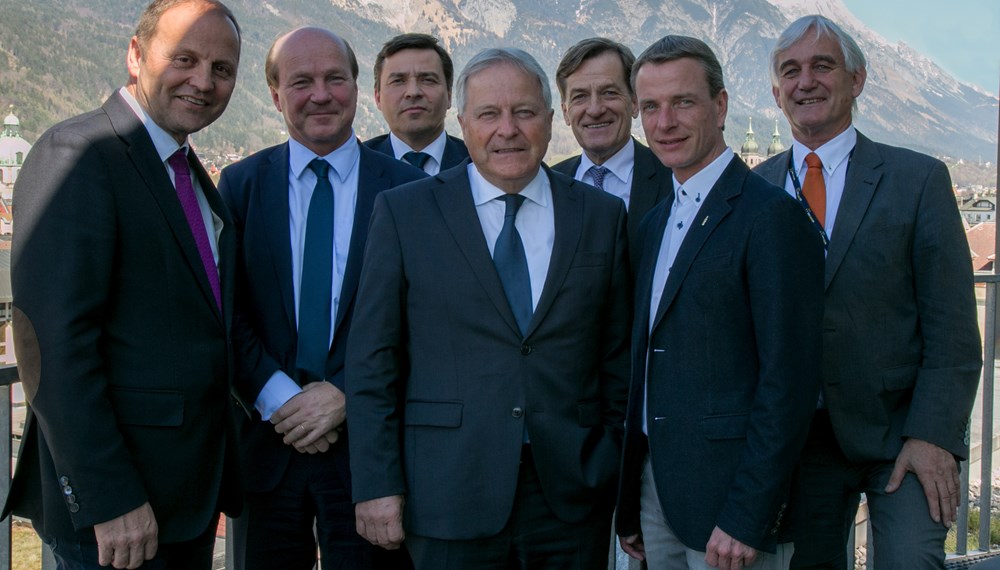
705 221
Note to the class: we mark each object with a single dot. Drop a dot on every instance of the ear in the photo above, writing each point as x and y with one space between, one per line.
775 93
275 99
378 98
133 59
565 113
858 82
722 101
635 106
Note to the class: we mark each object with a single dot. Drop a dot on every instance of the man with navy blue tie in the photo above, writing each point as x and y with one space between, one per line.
301 210
486 387
413 79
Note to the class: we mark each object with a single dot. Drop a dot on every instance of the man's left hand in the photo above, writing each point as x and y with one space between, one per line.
937 471
724 551
311 416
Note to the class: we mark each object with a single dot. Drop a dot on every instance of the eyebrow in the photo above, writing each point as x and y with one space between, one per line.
816 58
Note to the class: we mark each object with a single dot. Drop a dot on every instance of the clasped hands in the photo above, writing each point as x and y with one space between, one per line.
311 420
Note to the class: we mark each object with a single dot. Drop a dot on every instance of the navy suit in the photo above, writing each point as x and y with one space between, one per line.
730 352
122 348
651 182
265 332
454 149
441 382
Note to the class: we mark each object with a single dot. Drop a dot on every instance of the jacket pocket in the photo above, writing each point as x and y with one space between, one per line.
725 426
162 408
899 377
433 414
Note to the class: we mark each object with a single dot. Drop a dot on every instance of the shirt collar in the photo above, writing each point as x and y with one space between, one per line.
833 153
483 191
165 144
342 160
696 189
435 149
620 164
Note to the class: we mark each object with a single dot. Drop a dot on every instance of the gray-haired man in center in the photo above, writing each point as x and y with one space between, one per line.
487 386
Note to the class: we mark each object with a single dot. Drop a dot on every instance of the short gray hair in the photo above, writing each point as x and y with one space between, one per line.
489 57
819 26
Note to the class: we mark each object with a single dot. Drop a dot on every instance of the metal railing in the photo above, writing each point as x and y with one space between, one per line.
961 558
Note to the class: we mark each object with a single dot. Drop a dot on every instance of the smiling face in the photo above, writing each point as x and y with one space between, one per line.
413 96
682 121
815 90
185 74
599 107
506 125
316 91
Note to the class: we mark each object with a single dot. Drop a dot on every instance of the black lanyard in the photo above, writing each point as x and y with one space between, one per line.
804 203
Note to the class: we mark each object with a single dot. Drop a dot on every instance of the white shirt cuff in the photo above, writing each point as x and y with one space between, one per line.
278 390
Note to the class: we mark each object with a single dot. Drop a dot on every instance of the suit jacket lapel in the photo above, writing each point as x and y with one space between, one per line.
272 188
371 180
454 198
645 188
567 211
226 244
711 213
647 263
146 161
863 175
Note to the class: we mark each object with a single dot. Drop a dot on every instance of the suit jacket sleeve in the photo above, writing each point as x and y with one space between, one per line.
784 272
948 375
616 365
255 365
376 363
67 218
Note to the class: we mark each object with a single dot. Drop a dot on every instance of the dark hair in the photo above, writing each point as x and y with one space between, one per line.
414 41
589 49
670 48
151 17
271 67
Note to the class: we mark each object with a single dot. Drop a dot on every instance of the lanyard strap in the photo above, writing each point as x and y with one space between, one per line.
804 203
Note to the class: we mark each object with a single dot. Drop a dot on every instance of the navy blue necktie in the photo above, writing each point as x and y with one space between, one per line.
598 173
512 265
317 278
418 159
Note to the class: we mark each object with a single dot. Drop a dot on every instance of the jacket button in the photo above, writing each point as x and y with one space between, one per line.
517 412
526 350
64 480
71 499
67 490
74 507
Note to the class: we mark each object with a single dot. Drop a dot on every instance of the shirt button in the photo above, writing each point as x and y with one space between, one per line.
517 412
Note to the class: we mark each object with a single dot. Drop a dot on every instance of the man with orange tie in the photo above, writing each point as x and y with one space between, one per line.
901 349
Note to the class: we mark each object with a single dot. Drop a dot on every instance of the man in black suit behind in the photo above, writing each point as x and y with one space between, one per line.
487 386
725 335
598 104
901 350
413 79
123 278
290 372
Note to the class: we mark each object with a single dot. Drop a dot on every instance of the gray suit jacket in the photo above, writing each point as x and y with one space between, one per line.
441 383
901 348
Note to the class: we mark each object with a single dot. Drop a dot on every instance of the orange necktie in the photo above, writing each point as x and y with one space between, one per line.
814 189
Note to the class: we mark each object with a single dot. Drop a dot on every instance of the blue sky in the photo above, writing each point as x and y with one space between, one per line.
962 36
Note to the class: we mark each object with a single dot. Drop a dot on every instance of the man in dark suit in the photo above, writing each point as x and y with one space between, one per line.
598 104
487 386
413 79
726 330
901 350
122 276
291 368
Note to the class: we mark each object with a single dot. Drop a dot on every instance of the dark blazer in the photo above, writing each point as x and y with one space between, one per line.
651 182
265 333
441 383
731 388
454 149
121 346
901 348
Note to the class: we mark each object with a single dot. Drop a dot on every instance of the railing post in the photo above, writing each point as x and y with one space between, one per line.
962 528
986 456
5 464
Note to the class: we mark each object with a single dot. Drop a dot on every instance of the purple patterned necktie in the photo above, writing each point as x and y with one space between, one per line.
598 173
185 192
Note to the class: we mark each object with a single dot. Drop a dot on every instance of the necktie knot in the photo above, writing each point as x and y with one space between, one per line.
320 167
179 162
418 159
813 160
598 173
513 202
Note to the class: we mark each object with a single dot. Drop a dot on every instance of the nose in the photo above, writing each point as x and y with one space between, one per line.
507 125
320 93
201 77
413 88
807 79
666 119
594 106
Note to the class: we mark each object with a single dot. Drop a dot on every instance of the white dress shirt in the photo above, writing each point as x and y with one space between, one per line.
343 176
835 155
166 146
618 180
435 151
535 222
688 200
